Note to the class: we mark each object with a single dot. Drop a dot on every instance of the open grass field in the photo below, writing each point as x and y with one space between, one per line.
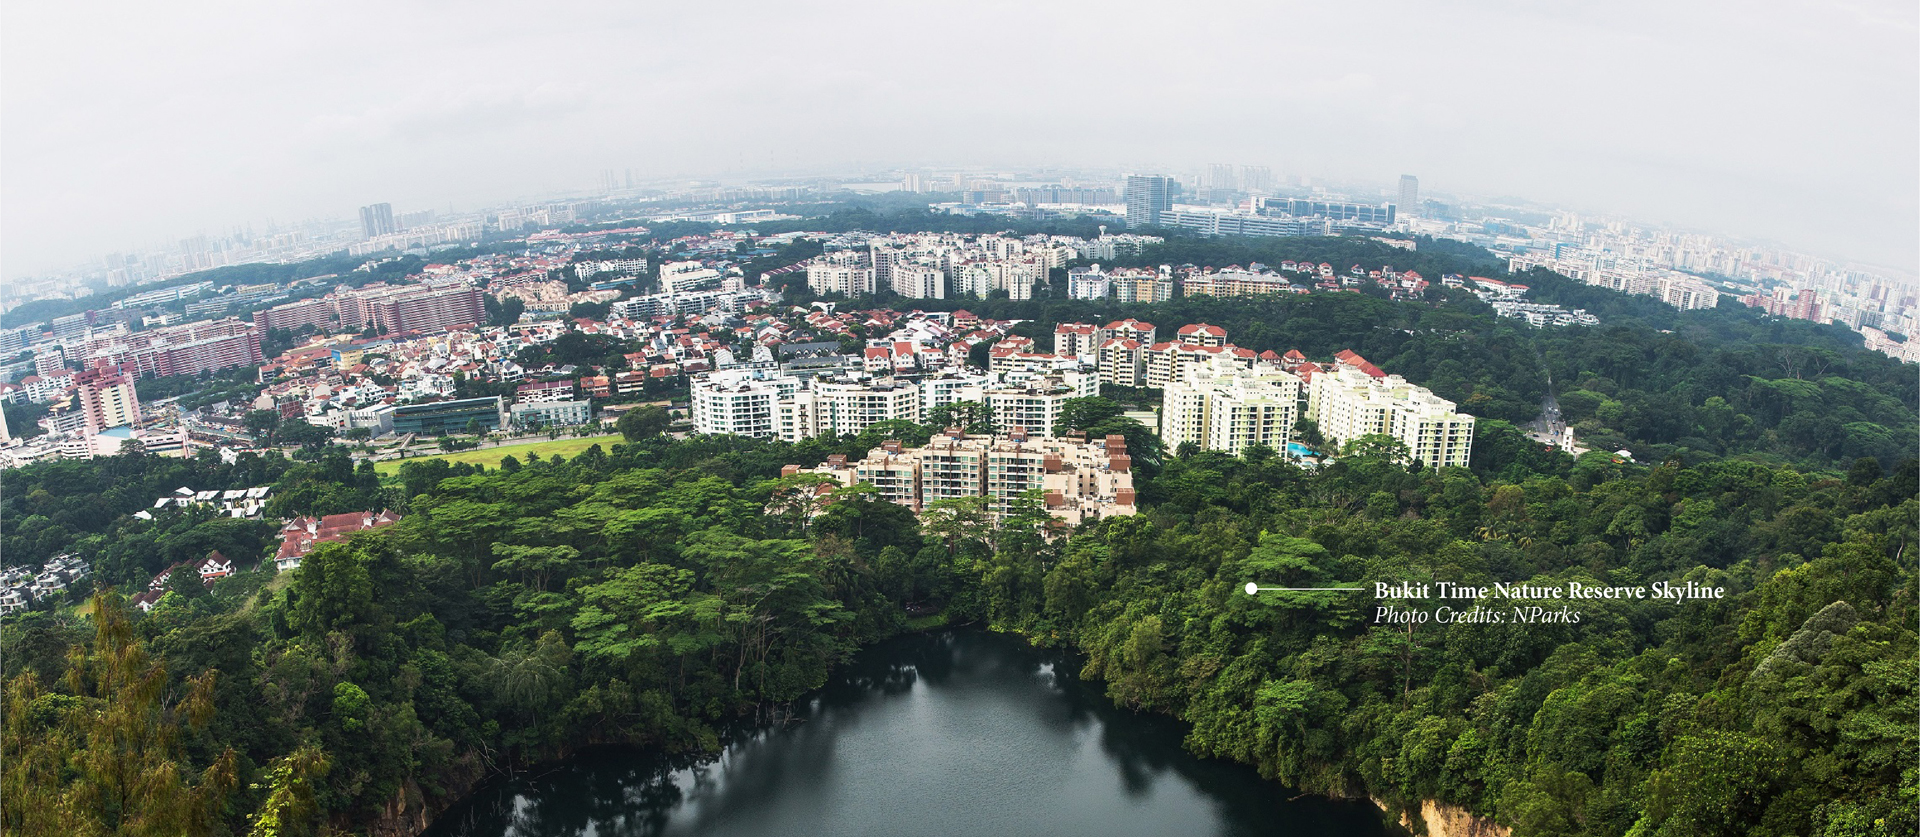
490 457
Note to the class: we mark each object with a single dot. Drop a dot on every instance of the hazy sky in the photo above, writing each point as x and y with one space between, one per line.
124 123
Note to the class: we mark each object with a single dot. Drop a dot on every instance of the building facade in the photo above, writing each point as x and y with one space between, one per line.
1355 399
1148 196
107 399
740 402
1220 405
552 413
1076 480
446 417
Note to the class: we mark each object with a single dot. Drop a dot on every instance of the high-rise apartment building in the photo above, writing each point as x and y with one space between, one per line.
1222 176
1148 195
107 398
1214 221
1409 195
1035 405
319 313
1203 334
1241 282
377 220
424 308
1688 294
915 280
1076 340
684 276
1144 286
70 327
418 308
741 402
1356 399
848 272
1363 213
1256 178
1122 362
1221 405
187 349
1162 363
844 408
1127 330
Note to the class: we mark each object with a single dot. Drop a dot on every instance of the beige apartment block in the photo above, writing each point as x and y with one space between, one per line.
1078 480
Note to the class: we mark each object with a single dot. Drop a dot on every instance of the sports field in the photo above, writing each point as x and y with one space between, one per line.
490 457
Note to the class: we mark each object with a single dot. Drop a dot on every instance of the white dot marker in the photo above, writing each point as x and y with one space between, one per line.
1252 588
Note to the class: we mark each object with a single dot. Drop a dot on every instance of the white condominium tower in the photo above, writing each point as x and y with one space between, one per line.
845 408
847 272
1351 401
740 402
1221 405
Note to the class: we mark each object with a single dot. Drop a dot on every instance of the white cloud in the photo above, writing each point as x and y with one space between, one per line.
136 122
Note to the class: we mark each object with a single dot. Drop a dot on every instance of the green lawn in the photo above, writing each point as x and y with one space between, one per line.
490 457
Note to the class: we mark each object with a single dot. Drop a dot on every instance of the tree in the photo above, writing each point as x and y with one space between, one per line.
303 433
1083 413
1865 471
185 581
261 424
798 498
109 758
589 310
643 422
290 809
504 312
957 520
1377 446
979 354
1309 432
969 416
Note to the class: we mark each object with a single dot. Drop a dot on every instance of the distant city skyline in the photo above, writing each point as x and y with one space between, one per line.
373 227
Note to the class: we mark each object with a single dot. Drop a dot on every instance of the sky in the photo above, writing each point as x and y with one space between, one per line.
125 124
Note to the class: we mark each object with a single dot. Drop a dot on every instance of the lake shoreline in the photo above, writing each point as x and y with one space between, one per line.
999 682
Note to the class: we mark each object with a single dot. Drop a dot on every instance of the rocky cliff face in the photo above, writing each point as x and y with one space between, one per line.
1443 820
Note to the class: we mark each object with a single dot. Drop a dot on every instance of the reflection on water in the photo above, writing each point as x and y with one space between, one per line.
956 733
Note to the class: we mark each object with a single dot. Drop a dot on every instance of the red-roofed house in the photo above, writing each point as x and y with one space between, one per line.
214 566
1129 329
146 599
1202 334
302 534
1080 340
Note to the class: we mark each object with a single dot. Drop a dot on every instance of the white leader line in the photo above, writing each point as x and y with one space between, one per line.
1253 588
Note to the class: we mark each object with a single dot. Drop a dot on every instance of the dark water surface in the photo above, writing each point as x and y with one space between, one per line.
955 733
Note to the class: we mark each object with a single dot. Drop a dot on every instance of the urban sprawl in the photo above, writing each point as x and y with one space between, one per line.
605 318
